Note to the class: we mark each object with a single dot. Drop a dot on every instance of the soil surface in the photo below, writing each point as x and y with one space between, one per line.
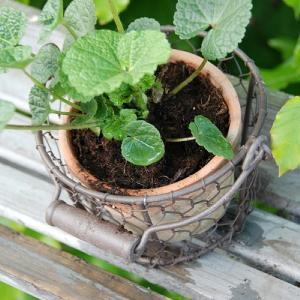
172 117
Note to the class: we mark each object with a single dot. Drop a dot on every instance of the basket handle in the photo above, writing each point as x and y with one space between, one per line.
257 151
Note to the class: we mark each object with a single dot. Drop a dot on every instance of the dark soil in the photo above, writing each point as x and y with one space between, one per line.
172 117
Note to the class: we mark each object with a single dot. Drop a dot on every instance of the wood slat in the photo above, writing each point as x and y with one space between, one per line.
258 226
215 276
51 274
274 191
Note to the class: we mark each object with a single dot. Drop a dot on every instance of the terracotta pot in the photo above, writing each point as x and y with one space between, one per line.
191 204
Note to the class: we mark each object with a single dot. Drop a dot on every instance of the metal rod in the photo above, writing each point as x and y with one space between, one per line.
91 229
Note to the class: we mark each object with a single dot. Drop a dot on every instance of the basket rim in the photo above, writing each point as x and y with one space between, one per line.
229 166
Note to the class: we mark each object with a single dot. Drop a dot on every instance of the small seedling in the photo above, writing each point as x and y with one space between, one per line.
104 75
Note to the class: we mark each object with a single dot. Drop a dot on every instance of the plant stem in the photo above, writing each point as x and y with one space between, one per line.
65 113
41 86
71 31
50 127
180 140
190 78
115 14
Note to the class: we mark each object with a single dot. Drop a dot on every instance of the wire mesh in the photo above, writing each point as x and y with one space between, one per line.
187 223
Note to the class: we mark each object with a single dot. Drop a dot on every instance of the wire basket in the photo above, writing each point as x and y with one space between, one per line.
187 223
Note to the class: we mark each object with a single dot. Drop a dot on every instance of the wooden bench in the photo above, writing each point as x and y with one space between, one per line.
262 263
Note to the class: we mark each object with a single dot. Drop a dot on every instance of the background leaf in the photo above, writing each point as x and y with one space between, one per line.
50 17
144 24
286 73
103 10
7 111
17 57
39 103
46 63
12 27
80 15
210 137
285 135
226 19
144 145
295 4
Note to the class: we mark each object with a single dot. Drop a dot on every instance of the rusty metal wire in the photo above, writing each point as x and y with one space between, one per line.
187 223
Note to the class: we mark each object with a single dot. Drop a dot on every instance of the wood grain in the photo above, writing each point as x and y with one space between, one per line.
212 277
48 273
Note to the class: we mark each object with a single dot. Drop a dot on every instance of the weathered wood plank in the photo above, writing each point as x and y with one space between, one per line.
51 274
275 191
284 262
215 276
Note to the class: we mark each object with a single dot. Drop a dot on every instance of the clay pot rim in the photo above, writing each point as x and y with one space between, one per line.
220 80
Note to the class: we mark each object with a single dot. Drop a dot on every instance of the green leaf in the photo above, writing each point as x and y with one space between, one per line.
295 4
39 103
12 27
144 24
17 57
62 88
46 63
102 60
90 110
80 16
286 73
210 137
141 101
50 17
121 95
281 76
225 19
114 128
143 145
7 111
103 9
146 83
285 135
285 45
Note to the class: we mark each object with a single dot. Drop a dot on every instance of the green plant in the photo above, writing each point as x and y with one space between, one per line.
285 135
287 72
107 74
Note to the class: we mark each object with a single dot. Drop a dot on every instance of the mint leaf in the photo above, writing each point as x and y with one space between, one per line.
102 60
285 135
12 27
146 83
103 9
80 15
138 56
121 95
50 17
17 57
210 137
144 24
7 111
39 103
62 87
141 101
46 63
114 128
225 19
90 110
143 145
